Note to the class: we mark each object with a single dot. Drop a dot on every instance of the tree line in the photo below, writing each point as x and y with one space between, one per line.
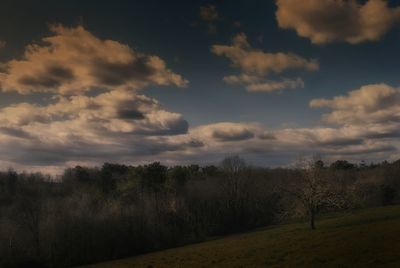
102 213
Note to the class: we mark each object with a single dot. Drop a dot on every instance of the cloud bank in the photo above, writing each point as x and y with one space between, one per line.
325 21
123 125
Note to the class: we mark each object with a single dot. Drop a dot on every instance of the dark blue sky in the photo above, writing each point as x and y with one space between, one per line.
174 31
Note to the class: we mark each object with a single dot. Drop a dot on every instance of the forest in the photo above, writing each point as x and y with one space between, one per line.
94 214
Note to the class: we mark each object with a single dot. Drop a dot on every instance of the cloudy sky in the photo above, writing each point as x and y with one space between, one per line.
84 82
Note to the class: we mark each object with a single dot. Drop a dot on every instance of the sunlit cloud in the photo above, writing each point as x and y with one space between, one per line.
259 84
370 104
74 61
117 122
325 21
117 125
122 124
256 65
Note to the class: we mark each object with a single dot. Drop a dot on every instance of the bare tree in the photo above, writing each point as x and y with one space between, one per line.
29 206
313 188
235 184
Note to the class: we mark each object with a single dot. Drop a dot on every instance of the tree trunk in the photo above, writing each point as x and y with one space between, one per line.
312 219
37 244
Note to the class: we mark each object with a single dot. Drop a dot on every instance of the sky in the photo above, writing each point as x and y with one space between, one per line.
87 82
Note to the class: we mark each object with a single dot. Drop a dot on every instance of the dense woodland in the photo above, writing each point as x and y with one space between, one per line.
95 214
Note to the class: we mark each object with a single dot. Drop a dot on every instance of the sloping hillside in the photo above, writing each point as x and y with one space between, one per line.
368 238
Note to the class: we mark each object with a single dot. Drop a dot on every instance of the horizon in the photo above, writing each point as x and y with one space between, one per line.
293 165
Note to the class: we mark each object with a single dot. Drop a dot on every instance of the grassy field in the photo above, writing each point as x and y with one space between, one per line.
368 238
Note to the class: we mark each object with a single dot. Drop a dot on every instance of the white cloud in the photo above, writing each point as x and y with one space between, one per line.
377 103
269 86
226 131
124 127
325 21
256 64
119 111
74 61
121 125
118 124
255 61
370 114
254 83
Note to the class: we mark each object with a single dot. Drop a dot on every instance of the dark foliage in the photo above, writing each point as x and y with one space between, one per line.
98 214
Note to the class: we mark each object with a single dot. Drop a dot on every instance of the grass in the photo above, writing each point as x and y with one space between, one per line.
367 238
